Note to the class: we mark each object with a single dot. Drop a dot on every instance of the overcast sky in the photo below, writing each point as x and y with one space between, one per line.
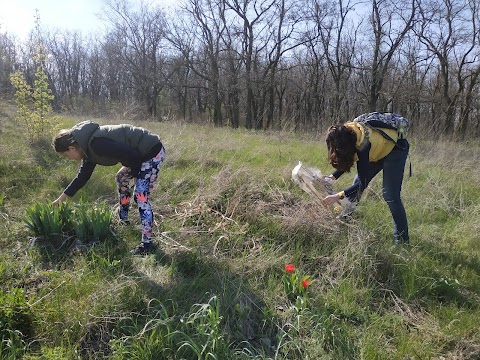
18 16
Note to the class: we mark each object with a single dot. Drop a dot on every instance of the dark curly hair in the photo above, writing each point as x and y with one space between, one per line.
341 144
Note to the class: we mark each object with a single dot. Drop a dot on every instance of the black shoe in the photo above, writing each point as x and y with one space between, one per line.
144 248
124 222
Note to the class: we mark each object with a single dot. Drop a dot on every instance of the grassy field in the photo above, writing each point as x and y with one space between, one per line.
228 220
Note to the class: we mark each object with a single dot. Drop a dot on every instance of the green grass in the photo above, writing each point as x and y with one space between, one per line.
228 219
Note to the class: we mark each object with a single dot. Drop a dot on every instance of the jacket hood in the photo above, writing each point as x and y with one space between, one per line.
82 133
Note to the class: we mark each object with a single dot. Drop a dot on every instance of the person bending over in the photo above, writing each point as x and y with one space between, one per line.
139 151
372 149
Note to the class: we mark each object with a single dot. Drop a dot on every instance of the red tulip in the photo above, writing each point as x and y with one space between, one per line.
289 268
305 283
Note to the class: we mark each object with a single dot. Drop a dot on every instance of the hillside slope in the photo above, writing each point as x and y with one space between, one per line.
228 220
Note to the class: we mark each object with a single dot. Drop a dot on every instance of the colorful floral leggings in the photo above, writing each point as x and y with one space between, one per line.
143 185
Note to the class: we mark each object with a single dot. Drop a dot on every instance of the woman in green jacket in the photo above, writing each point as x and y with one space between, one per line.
139 151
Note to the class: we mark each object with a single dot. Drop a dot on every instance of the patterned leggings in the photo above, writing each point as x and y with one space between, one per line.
143 185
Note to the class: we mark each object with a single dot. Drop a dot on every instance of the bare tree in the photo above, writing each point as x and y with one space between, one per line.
8 59
449 29
390 21
68 55
286 34
407 85
469 80
138 35
251 14
232 72
338 38
186 85
94 84
205 27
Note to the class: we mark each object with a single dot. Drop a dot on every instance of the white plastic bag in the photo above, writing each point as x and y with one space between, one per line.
314 183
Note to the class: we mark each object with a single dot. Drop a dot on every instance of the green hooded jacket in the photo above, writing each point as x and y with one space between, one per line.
135 137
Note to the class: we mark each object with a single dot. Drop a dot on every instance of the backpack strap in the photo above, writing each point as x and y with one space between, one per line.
384 134
366 138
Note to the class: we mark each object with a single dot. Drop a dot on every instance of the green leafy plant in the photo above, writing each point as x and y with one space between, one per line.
153 340
47 221
91 224
202 338
61 225
23 92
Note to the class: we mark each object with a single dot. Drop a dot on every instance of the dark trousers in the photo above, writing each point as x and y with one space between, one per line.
393 166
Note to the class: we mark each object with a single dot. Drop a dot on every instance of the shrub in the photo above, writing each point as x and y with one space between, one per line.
34 104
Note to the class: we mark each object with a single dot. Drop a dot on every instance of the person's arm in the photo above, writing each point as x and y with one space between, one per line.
83 175
362 170
336 174
81 179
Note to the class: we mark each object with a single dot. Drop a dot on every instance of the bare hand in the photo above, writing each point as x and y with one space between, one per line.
60 199
330 200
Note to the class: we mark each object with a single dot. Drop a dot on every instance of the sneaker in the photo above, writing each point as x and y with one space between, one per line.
347 212
400 241
124 222
144 248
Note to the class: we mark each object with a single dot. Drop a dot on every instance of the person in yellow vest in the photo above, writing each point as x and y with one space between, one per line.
372 149
139 151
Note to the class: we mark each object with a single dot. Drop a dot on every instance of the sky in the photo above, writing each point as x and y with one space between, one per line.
18 16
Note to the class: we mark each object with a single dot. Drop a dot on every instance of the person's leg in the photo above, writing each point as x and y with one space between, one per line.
374 169
353 199
393 169
144 184
122 180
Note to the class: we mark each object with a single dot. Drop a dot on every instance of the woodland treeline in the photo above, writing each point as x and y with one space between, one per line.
267 64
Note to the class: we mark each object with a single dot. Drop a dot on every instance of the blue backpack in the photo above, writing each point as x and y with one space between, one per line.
379 120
